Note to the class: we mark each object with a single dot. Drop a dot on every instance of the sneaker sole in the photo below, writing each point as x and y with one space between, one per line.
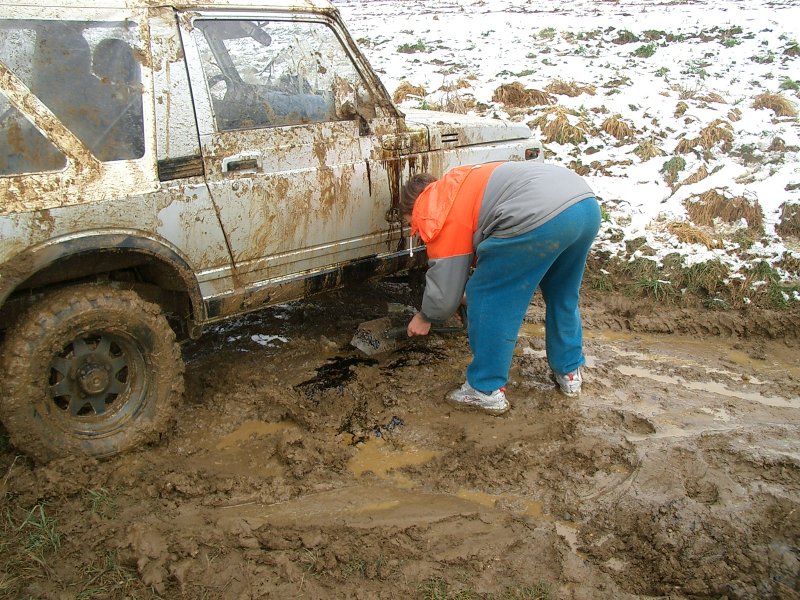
569 394
489 411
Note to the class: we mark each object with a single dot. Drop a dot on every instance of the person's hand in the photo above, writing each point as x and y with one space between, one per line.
418 325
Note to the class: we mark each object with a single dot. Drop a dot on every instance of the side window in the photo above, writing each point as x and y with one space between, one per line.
277 73
87 74
23 149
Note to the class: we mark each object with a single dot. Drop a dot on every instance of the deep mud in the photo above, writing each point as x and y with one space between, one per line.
300 468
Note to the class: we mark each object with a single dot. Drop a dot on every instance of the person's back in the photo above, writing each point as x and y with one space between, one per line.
520 196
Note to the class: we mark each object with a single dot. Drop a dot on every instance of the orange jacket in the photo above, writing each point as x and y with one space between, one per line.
446 216
446 213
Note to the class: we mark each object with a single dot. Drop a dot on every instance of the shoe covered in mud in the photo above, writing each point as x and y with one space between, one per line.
570 383
468 397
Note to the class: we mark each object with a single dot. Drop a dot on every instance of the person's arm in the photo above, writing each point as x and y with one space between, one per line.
444 286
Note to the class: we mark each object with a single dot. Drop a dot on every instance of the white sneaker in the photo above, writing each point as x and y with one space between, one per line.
468 397
570 383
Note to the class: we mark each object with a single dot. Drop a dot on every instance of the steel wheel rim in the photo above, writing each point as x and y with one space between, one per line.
92 379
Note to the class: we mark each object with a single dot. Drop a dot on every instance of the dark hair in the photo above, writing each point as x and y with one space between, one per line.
412 189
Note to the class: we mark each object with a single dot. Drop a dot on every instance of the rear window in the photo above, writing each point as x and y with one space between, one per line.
88 75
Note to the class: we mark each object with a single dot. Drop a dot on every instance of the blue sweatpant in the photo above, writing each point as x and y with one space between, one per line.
507 273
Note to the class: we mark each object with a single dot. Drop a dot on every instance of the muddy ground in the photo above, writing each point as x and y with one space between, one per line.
300 468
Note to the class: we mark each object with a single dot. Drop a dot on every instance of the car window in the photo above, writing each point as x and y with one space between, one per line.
277 73
87 74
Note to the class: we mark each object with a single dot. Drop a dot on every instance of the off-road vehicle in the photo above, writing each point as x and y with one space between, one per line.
165 165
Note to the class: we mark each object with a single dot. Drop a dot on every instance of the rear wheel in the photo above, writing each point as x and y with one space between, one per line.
90 370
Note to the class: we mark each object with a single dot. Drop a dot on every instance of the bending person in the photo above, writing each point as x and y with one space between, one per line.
523 225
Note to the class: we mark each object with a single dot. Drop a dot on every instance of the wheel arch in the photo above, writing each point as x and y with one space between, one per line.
101 256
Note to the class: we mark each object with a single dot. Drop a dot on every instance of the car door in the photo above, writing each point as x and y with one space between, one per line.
300 155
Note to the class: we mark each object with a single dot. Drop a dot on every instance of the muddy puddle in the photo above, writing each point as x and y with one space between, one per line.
301 468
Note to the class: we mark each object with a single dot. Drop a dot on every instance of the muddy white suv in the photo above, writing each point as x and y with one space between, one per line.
167 165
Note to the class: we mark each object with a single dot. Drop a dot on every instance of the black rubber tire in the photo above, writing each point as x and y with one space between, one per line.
90 370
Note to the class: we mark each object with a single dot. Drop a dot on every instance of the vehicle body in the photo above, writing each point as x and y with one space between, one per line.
192 159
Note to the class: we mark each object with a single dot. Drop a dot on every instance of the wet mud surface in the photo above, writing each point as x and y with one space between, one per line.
301 468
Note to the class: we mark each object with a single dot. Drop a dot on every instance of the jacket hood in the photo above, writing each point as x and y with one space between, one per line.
434 203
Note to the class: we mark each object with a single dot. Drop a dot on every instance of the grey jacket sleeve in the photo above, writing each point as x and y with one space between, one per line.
444 286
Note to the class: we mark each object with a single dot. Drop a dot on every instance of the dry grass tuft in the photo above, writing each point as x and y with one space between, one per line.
711 205
716 132
541 98
689 234
789 223
516 94
697 176
647 150
711 98
580 168
461 84
618 128
781 106
570 88
686 93
778 144
455 103
680 109
556 124
406 89
686 145
734 115
512 94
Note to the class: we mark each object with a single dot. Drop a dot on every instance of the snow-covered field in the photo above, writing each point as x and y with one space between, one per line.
683 79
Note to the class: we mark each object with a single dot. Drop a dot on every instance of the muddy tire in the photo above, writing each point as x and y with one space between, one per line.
89 370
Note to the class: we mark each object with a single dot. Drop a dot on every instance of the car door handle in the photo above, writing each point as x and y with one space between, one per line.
241 162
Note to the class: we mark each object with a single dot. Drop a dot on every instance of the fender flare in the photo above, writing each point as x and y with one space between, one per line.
35 258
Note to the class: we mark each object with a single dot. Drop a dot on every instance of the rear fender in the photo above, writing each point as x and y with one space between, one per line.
33 260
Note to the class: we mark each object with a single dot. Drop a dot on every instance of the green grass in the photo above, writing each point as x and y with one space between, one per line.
38 534
100 501
29 542
601 282
790 84
548 33
418 46
645 51
658 289
107 577
764 58
626 37
704 279
710 283
354 566
672 168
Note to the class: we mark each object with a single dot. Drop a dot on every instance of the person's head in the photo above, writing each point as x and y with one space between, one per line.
411 191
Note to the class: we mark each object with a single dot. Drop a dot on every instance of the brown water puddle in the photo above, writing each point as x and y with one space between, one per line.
250 429
383 461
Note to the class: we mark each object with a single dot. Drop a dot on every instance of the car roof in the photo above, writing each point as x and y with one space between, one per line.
177 4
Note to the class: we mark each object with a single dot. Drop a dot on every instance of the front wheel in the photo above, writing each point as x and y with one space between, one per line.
90 370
